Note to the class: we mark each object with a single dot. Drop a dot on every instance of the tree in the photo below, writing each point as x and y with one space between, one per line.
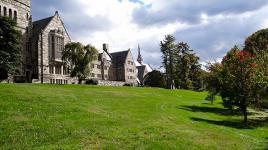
10 47
213 80
257 42
78 57
168 49
241 79
154 79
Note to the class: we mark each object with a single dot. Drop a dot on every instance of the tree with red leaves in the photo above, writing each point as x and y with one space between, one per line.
242 78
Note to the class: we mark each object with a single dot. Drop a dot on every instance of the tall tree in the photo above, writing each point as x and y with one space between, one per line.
257 42
78 57
10 47
168 49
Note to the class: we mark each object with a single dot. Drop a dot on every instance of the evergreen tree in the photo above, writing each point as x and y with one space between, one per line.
10 48
168 49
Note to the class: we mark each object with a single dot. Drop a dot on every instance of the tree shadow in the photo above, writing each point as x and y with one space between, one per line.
220 111
238 124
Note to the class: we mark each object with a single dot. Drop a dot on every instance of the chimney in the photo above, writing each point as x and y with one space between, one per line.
106 48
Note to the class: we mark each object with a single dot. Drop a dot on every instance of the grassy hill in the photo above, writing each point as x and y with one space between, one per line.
92 117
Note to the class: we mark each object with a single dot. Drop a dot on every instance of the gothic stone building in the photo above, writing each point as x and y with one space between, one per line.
42 45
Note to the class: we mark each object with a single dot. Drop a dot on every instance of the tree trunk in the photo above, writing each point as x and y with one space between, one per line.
79 81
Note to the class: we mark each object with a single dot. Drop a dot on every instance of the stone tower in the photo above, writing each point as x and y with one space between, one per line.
139 59
19 10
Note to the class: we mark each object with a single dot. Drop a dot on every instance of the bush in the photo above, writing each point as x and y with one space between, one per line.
91 82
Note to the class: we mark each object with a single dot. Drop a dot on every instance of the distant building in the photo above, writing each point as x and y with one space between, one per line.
117 66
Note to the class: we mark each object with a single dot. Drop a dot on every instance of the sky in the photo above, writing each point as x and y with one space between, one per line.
210 27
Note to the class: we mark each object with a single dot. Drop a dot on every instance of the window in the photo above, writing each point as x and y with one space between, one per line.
57 46
98 66
92 65
51 69
5 11
0 10
105 68
15 16
58 69
106 76
10 13
99 75
65 70
92 75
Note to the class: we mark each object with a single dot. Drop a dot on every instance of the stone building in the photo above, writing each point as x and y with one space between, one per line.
49 37
117 66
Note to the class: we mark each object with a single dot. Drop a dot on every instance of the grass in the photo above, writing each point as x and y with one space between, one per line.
92 117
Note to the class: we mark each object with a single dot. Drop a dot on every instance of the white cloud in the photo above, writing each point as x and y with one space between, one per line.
211 27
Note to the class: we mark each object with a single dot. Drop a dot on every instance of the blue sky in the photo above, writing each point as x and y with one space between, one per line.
211 27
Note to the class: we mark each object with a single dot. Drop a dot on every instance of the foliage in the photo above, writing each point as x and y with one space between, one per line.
257 42
154 79
241 79
10 47
213 80
168 49
78 57
181 65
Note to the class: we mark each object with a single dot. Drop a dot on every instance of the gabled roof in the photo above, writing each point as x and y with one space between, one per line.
119 58
41 25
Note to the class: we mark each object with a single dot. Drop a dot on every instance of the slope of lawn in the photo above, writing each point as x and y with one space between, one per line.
92 117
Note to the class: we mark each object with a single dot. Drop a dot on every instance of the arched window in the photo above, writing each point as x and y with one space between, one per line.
10 13
15 16
5 11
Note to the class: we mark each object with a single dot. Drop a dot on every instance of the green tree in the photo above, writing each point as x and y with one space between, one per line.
168 49
257 42
213 80
10 47
154 79
78 57
188 68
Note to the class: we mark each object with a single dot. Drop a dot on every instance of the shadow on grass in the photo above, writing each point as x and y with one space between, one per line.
238 124
220 111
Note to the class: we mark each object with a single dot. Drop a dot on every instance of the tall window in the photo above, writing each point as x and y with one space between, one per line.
10 13
5 11
58 69
57 47
0 10
15 16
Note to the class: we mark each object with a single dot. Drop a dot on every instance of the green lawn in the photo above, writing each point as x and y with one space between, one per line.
92 117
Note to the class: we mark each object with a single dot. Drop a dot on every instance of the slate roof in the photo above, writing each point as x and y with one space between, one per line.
40 25
119 58
141 70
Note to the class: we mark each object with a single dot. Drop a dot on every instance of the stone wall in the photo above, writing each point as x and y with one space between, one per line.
110 83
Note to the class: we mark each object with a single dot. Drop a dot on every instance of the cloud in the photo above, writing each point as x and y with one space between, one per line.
190 11
211 27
